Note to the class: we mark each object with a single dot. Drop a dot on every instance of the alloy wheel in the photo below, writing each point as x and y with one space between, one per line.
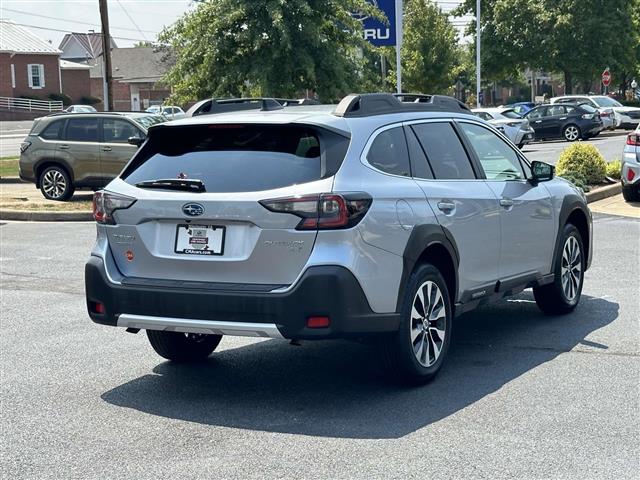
428 323
571 133
571 268
54 184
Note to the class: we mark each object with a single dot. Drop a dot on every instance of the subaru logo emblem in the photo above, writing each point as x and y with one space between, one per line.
193 209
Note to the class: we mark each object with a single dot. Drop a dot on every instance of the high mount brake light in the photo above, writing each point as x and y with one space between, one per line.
633 139
105 203
323 211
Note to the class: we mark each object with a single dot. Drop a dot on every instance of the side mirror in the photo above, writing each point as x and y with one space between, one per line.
137 141
541 172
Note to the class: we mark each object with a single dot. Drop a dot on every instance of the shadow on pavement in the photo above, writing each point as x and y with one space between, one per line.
335 388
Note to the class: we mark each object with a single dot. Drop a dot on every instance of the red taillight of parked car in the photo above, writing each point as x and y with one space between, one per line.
323 211
633 139
105 203
630 175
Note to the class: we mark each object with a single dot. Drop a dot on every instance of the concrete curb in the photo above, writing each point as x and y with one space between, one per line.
36 216
604 192
11 180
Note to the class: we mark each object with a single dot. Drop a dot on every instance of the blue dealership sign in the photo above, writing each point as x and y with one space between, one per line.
378 33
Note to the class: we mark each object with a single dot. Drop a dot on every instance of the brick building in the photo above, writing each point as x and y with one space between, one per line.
28 64
75 80
136 75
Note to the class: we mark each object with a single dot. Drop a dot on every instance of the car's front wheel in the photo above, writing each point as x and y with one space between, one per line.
563 295
417 351
55 183
183 347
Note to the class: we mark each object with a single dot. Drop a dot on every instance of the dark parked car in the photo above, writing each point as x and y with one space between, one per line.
569 121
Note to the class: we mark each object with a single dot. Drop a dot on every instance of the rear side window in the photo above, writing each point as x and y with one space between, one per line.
53 131
588 108
239 158
388 152
445 153
82 130
537 113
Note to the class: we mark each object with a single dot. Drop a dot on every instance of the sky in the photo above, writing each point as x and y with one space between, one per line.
130 20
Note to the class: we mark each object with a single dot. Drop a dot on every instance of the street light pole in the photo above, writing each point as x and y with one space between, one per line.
478 89
399 21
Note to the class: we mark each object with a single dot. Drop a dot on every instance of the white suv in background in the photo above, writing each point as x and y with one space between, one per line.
612 112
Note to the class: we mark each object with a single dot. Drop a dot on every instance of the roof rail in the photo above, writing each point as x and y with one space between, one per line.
263 104
368 104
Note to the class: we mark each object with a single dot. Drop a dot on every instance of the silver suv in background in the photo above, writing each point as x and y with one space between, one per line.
381 220
80 150
630 174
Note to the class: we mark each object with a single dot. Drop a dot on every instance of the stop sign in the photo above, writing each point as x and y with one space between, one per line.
606 77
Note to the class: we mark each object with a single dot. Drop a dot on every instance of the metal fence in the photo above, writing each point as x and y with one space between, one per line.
29 105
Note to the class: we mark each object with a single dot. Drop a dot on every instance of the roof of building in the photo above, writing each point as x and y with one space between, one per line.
17 39
67 65
135 64
91 42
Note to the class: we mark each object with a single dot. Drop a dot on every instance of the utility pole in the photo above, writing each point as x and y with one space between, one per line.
478 88
106 56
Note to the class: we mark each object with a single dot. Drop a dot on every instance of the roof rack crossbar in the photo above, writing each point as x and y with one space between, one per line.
368 104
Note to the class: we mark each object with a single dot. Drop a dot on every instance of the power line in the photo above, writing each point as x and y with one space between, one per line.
76 21
131 19
67 31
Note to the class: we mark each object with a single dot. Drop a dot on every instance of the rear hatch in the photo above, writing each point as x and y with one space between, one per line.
197 215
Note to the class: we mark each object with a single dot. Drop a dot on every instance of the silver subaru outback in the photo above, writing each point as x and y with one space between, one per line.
381 218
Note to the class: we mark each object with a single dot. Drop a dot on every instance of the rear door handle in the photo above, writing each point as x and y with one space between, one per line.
506 202
446 206
106 149
563 118
538 121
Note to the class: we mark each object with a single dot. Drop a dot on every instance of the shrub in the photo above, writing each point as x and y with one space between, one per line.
584 160
61 97
88 100
30 97
614 169
577 179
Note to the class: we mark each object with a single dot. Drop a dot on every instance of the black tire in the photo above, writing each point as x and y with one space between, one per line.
575 134
183 347
55 183
553 298
631 194
399 351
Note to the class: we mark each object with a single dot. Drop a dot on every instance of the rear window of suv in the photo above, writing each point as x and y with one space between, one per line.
239 158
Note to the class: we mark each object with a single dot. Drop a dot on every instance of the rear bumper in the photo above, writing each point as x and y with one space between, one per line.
330 291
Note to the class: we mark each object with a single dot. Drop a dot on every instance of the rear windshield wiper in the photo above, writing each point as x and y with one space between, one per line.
190 185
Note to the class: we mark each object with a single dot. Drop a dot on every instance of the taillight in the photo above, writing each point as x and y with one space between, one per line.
24 146
514 124
323 211
604 114
630 175
633 139
105 203
588 116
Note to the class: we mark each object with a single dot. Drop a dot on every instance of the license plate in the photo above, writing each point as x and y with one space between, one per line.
200 239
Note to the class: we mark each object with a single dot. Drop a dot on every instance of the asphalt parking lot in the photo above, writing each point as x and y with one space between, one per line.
522 395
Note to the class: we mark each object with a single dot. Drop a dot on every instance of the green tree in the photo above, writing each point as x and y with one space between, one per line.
268 48
576 37
429 49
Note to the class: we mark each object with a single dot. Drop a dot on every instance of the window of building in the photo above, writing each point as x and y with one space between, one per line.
35 73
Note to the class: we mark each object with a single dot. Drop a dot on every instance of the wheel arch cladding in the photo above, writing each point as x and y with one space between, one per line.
435 245
575 211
